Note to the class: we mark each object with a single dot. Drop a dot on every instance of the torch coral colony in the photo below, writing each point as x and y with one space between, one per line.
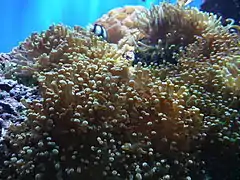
171 113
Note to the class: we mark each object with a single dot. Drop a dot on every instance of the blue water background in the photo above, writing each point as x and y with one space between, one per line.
19 18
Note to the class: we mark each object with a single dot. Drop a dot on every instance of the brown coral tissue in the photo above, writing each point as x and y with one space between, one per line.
103 117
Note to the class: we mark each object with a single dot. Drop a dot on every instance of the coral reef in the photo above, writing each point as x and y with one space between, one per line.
13 99
44 51
5 59
168 29
13 107
103 115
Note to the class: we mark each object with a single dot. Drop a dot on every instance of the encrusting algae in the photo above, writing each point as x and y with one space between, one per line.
103 116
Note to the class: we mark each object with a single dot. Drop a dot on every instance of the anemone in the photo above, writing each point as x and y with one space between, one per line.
175 27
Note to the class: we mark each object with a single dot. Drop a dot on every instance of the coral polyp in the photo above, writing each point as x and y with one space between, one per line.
104 116
101 114
44 51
